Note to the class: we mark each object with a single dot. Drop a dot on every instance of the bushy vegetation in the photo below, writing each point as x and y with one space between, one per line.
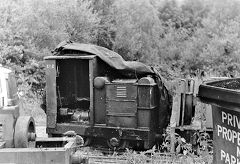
180 38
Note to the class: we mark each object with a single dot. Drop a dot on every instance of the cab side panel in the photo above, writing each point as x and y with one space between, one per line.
51 94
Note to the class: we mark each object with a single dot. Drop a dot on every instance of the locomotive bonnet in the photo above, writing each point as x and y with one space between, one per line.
96 93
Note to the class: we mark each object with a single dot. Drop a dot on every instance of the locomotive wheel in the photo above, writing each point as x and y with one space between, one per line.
117 144
24 132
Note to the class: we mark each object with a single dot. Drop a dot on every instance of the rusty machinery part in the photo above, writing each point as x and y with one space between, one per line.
117 144
87 141
76 114
79 139
78 159
70 133
187 97
65 111
80 116
24 131
99 82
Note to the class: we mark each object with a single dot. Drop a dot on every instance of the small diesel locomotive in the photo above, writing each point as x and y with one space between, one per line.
96 93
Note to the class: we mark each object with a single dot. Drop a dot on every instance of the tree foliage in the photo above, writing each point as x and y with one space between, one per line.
179 37
30 29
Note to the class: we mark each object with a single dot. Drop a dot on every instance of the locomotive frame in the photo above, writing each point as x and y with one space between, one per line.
113 105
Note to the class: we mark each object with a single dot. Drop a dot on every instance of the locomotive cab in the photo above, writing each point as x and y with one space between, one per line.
70 80
86 95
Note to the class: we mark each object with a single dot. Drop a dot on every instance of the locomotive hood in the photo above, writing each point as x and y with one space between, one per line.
113 59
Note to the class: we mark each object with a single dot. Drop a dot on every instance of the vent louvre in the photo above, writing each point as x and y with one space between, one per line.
121 91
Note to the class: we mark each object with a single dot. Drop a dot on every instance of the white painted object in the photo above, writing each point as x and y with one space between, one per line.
9 109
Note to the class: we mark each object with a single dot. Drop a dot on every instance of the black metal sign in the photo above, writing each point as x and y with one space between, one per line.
226 136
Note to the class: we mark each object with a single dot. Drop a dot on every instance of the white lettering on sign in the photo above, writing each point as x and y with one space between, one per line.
231 120
228 158
230 135
224 116
238 151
